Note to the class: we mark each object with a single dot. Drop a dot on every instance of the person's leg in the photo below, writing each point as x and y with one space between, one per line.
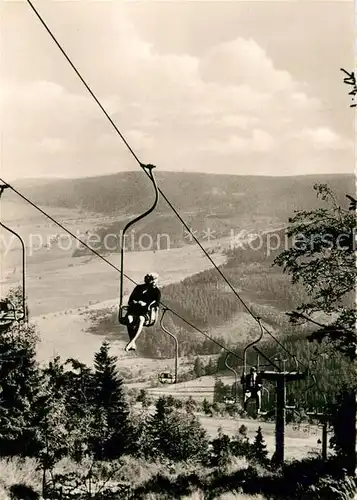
258 398
133 321
131 329
246 400
139 329
131 326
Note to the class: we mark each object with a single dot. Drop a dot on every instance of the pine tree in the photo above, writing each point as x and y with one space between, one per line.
190 405
20 385
143 398
174 435
211 367
258 448
79 387
243 431
221 450
111 408
155 428
198 368
220 391
51 416
206 407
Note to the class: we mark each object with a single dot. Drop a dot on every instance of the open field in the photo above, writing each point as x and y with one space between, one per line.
300 440
62 289
298 443
57 300
69 283
200 388
56 281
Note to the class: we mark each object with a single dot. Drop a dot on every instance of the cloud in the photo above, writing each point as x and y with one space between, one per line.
42 95
260 141
244 62
51 144
41 109
301 101
323 138
173 108
139 140
239 121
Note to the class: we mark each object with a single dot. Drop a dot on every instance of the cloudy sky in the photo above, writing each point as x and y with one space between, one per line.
224 87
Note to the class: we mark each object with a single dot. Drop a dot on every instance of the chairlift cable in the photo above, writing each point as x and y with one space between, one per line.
52 219
141 165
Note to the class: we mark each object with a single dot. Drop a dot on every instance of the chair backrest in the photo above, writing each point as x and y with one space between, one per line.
122 315
4 306
7 316
149 321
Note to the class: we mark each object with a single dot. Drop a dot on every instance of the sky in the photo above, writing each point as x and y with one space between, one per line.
248 88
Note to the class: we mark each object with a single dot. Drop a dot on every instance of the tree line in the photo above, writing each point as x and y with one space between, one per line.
66 409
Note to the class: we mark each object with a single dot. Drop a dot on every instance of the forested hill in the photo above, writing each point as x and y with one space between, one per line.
219 195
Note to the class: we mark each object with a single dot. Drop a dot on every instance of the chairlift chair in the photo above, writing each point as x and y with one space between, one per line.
175 376
251 344
8 312
166 378
152 315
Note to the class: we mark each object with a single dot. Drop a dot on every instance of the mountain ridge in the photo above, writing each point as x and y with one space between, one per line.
131 192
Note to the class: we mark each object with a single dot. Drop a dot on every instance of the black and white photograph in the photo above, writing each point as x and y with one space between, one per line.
178 250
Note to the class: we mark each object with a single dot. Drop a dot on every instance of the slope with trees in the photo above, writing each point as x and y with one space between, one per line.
324 261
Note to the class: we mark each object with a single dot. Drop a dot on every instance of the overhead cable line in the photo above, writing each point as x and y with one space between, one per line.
64 228
114 266
160 191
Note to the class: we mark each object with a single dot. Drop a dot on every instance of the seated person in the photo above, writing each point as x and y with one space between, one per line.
252 384
142 299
